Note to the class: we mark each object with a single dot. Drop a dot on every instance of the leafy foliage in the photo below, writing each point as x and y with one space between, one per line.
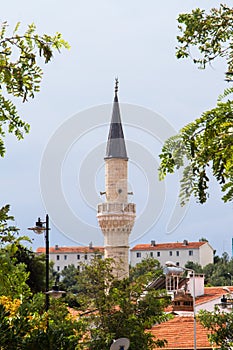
150 266
20 73
69 279
13 274
194 266
206 145
26 326
8 233
114 309
210 33
220 325
34 265
220 273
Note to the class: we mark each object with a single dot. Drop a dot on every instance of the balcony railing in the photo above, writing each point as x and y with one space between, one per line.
117 208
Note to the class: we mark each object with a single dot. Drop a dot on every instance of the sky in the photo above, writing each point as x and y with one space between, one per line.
59 167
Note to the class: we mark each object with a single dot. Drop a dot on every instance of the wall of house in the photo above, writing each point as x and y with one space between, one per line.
206 254
178 256
210 305
64 259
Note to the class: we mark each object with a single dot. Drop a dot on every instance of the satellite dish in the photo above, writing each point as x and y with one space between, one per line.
120 344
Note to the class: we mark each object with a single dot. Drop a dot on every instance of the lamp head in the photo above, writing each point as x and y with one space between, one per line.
120 344
55 292
39 228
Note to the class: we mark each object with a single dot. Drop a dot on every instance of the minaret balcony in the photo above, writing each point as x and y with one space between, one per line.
116 208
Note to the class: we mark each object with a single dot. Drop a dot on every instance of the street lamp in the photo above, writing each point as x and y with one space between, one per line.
120 344
43 227
172 264
55 292
229 274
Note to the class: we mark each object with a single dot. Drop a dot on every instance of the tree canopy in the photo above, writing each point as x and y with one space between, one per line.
220 325
205 145
20 72
113 309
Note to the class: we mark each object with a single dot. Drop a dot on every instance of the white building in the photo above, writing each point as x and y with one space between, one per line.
179 252
65 256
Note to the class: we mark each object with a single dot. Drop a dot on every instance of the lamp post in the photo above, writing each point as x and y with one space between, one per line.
172 264
43 227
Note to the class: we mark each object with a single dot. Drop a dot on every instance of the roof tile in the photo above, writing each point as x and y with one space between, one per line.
179 333
163 246
71 250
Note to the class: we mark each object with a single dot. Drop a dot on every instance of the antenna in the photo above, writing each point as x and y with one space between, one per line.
120 344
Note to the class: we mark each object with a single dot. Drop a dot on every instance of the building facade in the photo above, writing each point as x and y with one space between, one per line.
116 215
179 252
62 257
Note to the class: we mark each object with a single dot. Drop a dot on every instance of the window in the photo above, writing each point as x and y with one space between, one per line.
138 255
158 253
85 256
65 267
170 253
78 257
65 257
177 264
177 253
190 252
58 257
58 268
151 254
78 268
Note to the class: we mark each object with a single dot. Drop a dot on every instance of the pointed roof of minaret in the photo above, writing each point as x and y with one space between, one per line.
116 143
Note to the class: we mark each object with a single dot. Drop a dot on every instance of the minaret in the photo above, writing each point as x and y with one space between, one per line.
116 216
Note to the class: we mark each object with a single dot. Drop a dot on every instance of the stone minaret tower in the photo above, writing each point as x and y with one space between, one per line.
116 215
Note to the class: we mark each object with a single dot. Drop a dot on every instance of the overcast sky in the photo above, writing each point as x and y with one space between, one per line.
59 167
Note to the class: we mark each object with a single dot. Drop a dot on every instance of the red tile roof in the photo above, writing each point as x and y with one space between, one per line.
163 246
71 250
211 293
179 333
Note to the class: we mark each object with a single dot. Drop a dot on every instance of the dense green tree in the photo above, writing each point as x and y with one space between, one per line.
34 265
8 233
13 274
220 273
194 266
220 325
203 239
205 145
20 72
115 309
25 326
147 266
69 279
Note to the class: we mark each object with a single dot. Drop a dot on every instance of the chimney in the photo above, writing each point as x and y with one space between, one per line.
153 243
199 284
56 247
185 242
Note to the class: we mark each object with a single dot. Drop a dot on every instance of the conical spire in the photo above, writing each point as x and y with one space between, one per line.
116 143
